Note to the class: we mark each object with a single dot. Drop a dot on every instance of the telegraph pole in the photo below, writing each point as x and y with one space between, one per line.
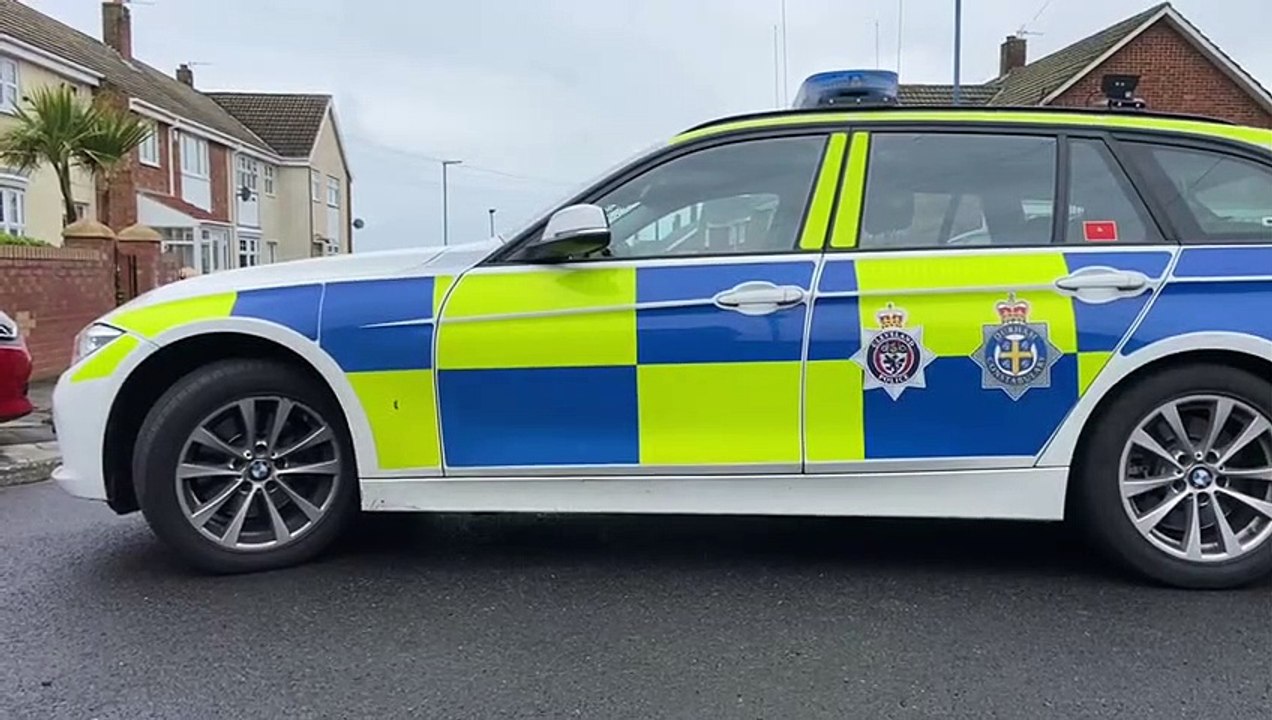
445 201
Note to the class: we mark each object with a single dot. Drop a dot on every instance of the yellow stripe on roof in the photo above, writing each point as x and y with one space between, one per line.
1253 136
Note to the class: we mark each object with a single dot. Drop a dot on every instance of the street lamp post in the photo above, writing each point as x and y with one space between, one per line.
492 221
445 201
958 50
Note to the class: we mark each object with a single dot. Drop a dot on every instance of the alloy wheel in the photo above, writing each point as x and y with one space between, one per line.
258 473
1196 478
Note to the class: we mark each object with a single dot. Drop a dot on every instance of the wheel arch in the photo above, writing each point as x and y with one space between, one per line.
182 351
1124 371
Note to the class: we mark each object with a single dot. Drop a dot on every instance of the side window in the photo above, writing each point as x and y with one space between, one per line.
745 197
926 190
1221 197
1102 206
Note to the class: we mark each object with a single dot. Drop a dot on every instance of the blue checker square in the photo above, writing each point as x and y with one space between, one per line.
539 416
836 329
986 422
373 325
295 307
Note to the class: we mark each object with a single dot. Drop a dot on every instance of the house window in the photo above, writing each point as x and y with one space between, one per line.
271 252
249 251
315 186
249 171
194 156
269 180
148 150
178 242
9 92
12 211
333 192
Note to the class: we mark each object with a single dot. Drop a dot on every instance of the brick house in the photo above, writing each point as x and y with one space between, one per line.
1179 68
220 194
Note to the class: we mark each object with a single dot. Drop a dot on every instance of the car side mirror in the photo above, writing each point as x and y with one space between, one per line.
573 231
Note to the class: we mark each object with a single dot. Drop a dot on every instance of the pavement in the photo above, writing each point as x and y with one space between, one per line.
28 448
488 616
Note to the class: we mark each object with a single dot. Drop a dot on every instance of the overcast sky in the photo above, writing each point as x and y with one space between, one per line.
536 97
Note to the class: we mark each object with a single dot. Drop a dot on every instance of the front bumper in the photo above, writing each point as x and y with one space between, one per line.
80 412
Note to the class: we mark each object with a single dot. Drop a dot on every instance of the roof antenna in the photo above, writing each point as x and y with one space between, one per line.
1024 30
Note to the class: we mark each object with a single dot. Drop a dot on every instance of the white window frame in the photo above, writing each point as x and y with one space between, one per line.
271 252
267 180
248 173
194 156
171 242
12 210
315 185
148 150
249 250
333 192
10 85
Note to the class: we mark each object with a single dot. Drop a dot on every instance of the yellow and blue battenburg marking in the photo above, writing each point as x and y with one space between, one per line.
1226 289
1008 383
619 366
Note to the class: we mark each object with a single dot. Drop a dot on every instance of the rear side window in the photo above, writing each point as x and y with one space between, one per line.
926 190
1211 196
1102 206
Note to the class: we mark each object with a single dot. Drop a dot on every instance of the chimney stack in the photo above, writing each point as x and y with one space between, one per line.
117 27
185 75
1012 55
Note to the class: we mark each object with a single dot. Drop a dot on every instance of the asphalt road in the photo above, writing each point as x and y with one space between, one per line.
490 617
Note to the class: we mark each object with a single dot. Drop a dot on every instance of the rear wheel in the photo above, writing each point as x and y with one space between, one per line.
1176 479
245 465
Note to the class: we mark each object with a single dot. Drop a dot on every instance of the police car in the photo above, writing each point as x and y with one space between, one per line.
847 308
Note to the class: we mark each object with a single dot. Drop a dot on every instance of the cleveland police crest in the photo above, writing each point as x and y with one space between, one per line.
893 356
1016 355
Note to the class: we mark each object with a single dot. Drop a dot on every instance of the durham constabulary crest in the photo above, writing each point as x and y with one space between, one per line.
1017 354
893 356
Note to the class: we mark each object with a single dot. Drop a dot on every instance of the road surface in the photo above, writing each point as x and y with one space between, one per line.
491 617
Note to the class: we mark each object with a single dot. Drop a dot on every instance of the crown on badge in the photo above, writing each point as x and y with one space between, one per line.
1012 310
891 317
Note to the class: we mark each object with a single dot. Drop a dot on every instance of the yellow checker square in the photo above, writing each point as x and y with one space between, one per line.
441 284
1089 366
401 409
834 417
952 321
105 361
556 317
153 320
719 413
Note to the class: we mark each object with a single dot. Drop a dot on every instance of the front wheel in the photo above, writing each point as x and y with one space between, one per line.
1176 478
245 465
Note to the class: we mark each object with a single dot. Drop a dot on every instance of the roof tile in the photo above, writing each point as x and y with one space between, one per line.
288 122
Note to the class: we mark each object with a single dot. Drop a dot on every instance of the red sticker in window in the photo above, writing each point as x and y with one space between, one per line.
1099 231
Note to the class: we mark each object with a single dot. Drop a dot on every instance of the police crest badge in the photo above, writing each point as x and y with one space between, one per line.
1016 354
893 356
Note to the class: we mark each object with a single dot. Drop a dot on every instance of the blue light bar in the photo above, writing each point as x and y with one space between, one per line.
848 87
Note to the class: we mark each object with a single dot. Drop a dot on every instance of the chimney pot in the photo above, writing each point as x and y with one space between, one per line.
117 27
185 75
1012 55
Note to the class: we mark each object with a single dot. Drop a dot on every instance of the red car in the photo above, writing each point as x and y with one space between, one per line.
15 371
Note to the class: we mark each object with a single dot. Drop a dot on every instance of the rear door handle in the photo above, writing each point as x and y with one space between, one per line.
1102 284
758 297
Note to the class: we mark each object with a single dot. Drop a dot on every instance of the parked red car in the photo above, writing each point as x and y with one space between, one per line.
15 371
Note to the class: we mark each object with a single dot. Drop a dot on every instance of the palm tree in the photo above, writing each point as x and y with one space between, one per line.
64 131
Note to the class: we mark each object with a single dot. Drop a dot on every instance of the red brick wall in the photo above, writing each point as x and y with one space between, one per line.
219 161
1174 77
155 179
53 293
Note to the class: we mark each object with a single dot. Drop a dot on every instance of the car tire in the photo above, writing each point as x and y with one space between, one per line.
179 471
1099 479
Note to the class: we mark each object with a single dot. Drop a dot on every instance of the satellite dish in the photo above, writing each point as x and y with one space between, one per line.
245 193
358 224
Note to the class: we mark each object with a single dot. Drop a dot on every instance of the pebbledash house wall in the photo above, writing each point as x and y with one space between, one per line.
53 293
1174 77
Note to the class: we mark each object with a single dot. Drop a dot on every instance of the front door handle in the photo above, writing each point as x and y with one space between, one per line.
1102 284
759 297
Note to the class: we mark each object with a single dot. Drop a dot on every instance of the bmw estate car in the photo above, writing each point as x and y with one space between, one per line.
1029 314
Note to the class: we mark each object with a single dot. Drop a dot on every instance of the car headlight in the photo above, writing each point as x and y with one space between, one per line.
94 338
